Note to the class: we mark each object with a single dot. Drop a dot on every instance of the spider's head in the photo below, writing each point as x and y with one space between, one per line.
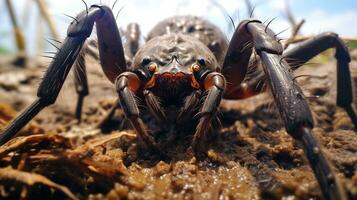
174 66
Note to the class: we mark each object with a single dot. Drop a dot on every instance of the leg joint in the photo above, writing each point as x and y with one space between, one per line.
333 40
216 80
331 35
83 24
128 79
264 39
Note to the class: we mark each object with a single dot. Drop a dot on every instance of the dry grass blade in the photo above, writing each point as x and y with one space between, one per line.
31 141
31 179
101 141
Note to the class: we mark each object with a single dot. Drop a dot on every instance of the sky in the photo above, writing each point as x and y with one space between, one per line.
339 16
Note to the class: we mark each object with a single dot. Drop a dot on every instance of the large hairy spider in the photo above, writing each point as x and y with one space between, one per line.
186 68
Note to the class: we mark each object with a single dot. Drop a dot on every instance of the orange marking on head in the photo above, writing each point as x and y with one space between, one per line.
195 68
167 75
174 77
152 67
179 75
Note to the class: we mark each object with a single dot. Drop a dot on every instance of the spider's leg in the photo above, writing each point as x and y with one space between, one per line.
80 82
132 37
214 85
80 74
111 51
306 50
236 63
154 106
131 45
127 85
293 107
111 55
191 103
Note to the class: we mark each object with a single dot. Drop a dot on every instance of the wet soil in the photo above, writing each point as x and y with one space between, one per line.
249 157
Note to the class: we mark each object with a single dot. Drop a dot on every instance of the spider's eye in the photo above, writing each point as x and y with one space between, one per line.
191 29
146 61
195 67
201 61
152 67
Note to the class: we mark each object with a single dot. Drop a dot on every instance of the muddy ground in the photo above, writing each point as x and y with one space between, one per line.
251 156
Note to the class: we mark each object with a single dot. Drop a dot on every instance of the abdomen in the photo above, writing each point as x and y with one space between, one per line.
203 30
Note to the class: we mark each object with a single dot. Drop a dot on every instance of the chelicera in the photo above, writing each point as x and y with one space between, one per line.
186 67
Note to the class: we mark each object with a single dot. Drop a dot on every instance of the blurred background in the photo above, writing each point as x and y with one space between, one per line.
43 19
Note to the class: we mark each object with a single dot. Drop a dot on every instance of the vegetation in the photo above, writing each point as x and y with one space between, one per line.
352 45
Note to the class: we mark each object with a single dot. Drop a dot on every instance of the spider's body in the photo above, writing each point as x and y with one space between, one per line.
204 31
174 58
184 67
175 47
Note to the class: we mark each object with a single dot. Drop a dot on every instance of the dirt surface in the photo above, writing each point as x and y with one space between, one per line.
249 157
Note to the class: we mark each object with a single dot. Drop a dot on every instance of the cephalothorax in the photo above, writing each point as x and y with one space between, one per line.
187 66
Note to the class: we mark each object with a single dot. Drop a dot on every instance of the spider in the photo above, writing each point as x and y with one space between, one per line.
184 70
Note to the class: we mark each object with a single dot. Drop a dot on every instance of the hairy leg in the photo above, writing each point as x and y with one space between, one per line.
78 31
288 96
214 85
306 50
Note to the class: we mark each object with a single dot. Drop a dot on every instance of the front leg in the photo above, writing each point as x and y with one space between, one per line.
57 72
293 107
127 84
111 55
214 85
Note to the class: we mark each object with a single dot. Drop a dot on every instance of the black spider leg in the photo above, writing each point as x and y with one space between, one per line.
243 77
127 85
306 50
80 74
293 107
111 55
131 45
132 37
80 81
154 106
236 63
191 103
214 84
